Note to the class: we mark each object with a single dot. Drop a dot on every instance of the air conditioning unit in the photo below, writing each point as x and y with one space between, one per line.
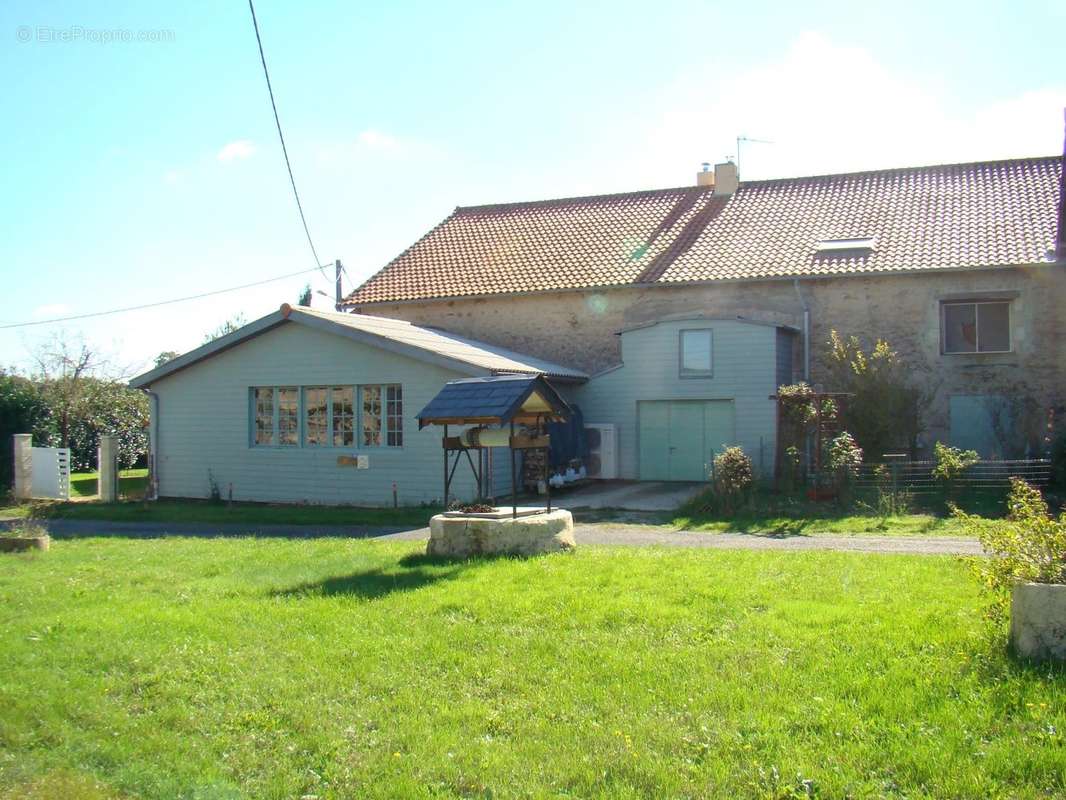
602 439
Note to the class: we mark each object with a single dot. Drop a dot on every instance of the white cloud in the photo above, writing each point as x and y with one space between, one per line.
49 310
378 140
236 150
832 108
173 177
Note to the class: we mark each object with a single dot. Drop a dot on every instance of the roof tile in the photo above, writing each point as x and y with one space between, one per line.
950 216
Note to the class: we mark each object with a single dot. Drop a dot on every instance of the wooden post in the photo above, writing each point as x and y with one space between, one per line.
514 481
444 447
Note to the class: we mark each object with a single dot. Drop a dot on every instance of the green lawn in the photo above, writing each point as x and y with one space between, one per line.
773 514
203 511
225 668
130 482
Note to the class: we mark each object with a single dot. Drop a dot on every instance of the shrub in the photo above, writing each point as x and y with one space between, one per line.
1028 545
843 458
733 477
951 462
883 411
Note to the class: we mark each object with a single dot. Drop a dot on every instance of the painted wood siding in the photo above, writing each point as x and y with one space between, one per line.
204 425
745 370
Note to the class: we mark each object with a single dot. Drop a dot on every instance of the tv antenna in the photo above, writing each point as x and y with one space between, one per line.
743 138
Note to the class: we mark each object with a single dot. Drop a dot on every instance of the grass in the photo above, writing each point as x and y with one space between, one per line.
207 512
265 668
130 482
790 515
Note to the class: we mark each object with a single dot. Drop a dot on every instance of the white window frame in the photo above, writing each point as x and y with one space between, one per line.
698 374
977 332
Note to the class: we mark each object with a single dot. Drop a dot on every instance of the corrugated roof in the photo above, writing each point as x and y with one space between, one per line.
950 216
427 344
448 345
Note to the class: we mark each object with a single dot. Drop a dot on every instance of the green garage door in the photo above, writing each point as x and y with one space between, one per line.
678 438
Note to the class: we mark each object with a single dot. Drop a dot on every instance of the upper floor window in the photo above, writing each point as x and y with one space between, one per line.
981 326
696 349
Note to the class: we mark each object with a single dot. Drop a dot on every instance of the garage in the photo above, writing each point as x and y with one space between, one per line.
679 438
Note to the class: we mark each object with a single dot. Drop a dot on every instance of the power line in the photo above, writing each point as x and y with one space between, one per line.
155 305
281 136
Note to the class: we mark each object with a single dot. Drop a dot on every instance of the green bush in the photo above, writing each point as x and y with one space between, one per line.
951 462
843 459
733 478
883 412
1028 545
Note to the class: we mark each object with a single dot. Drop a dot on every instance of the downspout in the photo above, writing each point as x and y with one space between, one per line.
153 445
806 331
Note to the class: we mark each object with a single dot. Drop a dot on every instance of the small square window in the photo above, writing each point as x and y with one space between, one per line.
975 327
696 353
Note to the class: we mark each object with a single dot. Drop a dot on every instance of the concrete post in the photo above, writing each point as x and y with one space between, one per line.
108 467
23 465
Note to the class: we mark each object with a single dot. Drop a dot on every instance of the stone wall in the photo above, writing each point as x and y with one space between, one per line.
579 328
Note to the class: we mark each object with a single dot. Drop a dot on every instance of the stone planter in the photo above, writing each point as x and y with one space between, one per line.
464 535
20 544
1038 621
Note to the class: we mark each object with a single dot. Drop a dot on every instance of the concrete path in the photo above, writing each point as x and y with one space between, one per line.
597 533
628 495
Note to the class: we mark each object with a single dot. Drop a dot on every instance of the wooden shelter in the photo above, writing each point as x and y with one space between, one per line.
500 401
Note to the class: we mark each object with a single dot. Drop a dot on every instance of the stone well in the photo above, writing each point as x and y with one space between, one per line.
1038 621
463 535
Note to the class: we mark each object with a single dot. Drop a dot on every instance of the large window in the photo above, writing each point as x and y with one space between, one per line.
263 397
276 412
975 327
316 416
394 420
342 415
288 416
327 416
696 349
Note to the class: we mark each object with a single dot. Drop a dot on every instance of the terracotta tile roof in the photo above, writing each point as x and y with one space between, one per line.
951 216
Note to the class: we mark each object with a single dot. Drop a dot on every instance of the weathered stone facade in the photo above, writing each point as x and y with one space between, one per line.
579 328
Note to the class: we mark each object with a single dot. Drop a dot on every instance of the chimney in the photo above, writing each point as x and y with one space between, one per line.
705 177
725 178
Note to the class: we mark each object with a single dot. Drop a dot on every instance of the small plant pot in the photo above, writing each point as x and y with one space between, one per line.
1038 621
20 544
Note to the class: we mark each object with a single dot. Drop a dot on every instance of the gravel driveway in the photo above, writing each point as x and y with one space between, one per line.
590 533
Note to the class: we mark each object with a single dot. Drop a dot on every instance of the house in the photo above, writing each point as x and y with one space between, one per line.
960 267
307 406
668 316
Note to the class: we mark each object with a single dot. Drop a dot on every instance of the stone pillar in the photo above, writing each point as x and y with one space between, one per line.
23 465
108 469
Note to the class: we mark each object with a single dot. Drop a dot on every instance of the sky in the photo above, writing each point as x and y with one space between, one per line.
141 162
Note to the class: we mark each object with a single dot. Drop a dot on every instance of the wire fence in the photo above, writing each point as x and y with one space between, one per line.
916 477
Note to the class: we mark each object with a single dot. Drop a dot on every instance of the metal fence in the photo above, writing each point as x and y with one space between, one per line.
916 477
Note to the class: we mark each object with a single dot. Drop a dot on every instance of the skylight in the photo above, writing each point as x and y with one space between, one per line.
836 245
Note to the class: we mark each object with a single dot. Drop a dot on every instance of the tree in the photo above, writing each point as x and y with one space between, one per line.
21 407
164 357
62 367
229 326
883 413
79 405
305 296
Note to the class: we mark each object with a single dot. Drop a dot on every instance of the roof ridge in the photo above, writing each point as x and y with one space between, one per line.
742 184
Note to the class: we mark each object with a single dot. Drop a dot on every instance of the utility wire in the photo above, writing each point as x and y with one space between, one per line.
281 136
155 305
